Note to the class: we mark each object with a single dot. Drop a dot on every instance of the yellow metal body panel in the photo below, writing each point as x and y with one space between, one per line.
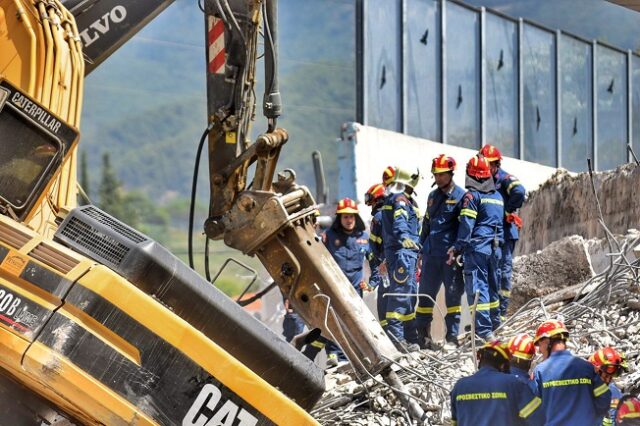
238 378
57 378
43 57
103 333
82 396
13 347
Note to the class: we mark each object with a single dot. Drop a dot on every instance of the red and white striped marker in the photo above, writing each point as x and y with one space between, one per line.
217 53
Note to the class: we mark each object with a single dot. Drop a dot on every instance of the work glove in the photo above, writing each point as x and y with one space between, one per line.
408 243
515 219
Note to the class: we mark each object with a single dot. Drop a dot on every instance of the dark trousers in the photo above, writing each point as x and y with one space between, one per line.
481 276
506 267
436 272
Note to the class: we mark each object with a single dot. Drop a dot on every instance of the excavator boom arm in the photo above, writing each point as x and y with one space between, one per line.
273 220
105 25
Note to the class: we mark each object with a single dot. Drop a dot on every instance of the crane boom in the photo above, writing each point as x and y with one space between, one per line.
105 25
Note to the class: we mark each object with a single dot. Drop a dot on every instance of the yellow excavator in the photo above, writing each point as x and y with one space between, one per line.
99 324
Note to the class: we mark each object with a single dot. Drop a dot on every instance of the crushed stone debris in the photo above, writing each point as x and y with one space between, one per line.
604 310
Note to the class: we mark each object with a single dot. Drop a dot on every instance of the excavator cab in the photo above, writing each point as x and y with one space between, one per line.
33 143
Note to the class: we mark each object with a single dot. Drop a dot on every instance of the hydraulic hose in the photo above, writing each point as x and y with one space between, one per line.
194 186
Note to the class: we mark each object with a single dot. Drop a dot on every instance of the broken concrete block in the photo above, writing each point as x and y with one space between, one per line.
559 265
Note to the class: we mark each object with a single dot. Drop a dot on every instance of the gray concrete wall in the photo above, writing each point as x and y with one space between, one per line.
364 152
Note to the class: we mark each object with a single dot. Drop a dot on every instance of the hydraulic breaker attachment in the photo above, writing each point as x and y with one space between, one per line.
279 229
273 220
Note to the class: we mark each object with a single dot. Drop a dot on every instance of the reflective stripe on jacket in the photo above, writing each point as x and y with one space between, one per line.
492 398
440 222
400 218
572 392
481 222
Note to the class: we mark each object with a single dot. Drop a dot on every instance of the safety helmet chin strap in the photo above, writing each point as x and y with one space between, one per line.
549 345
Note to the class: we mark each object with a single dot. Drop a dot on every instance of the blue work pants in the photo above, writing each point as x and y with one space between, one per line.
506 267
400 312
436 272
381 304
481 276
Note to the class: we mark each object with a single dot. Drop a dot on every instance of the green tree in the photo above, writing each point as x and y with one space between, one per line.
140 212
110 191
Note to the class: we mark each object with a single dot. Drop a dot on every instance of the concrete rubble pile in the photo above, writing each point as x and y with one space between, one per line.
602 311
564 205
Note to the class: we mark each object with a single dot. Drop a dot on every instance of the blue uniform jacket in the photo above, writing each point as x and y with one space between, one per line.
375 235
349 251
492 398
481 220
376 253
440 223
400 216
522 375
572 392
513 194
616 395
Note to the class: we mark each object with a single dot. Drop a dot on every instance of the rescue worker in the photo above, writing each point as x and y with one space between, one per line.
479 238
572 393
513 194
400 217
628 412
491 397
374 197
439 231
522 352
610 363
348 243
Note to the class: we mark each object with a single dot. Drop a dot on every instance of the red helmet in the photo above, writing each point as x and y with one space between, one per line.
347 205
499 348
478 167
521 346
373 194
550 328
491 153
442 164
388 175
629 409
609 361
